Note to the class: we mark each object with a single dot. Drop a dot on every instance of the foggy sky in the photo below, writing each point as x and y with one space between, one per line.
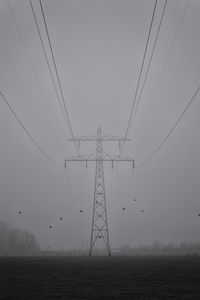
98 46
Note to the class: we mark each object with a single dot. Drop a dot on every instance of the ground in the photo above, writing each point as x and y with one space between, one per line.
100 278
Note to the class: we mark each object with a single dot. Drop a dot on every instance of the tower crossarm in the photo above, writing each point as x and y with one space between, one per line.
105 157
113 138
111 157
103 138
84 138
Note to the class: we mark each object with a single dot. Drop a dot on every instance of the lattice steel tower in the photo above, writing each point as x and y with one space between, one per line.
99 228
99 215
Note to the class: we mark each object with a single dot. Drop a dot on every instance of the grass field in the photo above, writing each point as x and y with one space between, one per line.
100 278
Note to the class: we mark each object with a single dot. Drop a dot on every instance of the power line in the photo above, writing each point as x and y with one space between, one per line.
171 47
57 75
24 45
30 59
28 133
160 76
47 61
164 66
152 53
58 78
137 87
139 78
171 130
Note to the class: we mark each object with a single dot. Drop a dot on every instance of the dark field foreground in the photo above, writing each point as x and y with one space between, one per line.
100 278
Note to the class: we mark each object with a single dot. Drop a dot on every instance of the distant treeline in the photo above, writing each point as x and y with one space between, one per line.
157 248
16 242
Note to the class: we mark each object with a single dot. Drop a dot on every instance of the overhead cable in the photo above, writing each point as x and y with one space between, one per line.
149 64
57 75
24 44
48 63
171 130
27 132
139 77
171 47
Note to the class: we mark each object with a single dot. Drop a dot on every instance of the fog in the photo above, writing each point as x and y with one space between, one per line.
98 47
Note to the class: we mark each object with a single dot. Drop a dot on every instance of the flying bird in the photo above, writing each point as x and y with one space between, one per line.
134 200
142 210
81 211
20 212
123 208
199 214
61 218
50 226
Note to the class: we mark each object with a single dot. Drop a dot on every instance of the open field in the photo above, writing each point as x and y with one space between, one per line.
100 278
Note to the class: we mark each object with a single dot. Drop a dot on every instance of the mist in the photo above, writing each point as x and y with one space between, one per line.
98 47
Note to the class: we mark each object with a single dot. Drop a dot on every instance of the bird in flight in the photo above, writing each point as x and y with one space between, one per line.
134 200
123 208
50 226
81 211
142 210
61 218
20 212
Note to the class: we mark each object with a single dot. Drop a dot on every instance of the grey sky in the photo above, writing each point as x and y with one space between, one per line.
98 47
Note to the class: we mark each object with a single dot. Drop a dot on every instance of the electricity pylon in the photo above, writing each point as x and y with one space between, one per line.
99 228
